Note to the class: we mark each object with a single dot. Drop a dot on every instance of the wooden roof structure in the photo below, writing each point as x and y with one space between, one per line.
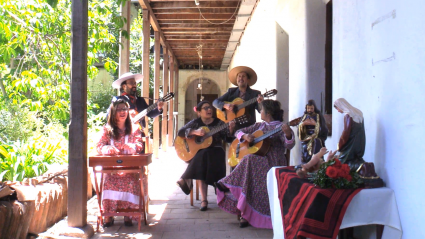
184 26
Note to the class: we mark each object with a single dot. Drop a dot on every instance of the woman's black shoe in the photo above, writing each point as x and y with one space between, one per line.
243 222
204 208
128 222
221 187
108 224
183 185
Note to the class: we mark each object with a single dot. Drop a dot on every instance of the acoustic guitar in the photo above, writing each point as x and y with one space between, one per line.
239 108
144 112
260 146
187 148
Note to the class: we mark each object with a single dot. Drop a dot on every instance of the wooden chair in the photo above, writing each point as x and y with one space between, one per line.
197 192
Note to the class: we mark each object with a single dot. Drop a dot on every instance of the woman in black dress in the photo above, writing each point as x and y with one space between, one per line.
209 165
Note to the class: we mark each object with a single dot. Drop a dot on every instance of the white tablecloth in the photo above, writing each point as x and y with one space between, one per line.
369 206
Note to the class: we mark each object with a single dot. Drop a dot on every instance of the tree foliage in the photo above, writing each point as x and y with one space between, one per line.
35 51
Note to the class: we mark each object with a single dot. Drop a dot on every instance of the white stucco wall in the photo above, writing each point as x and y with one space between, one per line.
187 76
282 31
379 64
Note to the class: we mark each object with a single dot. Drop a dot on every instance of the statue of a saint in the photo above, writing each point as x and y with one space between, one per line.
352 143
312 131
315 163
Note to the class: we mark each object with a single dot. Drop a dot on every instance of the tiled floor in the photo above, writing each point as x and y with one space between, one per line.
170 214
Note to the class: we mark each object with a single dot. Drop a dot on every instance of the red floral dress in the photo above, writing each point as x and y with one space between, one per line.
121 191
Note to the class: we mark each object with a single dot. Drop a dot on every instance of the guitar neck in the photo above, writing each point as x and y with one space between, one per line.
215 130
246 103
268 134
145 112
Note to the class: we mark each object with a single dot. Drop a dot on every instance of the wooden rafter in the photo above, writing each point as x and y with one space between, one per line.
194 11
182 28
197 37
191 4
195 16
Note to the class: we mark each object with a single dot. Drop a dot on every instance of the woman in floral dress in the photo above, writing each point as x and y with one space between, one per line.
120 191
208 165
244 191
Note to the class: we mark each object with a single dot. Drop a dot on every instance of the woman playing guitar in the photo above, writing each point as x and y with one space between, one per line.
246 184
208 165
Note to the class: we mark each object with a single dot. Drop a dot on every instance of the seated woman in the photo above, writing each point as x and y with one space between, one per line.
208 165
120 191
247 184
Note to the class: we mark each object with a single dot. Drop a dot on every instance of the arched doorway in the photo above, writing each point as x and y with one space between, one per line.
210 91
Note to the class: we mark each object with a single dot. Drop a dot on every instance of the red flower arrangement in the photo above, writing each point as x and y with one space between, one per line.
334 174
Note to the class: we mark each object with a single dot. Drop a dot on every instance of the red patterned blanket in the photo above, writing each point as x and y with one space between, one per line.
309 211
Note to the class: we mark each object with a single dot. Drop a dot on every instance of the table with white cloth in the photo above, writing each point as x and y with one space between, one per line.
369 206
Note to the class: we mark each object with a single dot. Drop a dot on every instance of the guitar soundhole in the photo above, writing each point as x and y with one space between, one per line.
199 140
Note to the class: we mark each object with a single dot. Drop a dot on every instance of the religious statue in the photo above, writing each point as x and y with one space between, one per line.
352 142
314 164
312 131
351 148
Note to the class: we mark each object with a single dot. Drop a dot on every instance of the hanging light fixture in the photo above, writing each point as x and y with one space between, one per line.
200 70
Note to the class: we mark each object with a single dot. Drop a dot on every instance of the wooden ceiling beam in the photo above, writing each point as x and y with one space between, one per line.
196 41
191 4
195 11
187 45
194 28
203 63
196 24
200 32
204 58
178 51
165 22
199 37
209 16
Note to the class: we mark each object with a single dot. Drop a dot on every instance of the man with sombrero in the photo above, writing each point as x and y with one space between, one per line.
127 84
243 77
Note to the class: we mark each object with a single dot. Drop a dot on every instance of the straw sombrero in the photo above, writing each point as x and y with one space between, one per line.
235 71
117 84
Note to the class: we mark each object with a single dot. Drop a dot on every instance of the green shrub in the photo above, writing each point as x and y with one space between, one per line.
43 146
17 123
25 160
95 124
100 100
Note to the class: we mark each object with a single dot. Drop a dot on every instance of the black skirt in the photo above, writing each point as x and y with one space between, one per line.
208 164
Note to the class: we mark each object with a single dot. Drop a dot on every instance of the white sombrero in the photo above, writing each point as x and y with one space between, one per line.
117 84
235 71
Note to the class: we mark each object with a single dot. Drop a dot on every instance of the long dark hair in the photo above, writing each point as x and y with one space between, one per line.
312 103
273 108
112 120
